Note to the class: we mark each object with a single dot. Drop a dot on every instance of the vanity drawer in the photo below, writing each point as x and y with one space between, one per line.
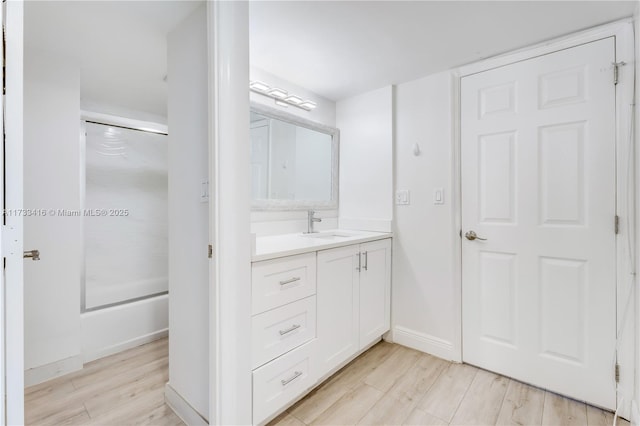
279 382
279 330
280 281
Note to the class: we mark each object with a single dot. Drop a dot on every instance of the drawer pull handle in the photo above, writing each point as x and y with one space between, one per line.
290 280
366 261
290 329
291 379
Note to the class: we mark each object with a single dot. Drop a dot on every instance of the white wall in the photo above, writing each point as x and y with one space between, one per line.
423 260
188 217
51 170
58 338
366 167
265 223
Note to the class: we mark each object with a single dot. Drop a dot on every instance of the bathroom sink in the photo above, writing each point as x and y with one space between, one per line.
328 235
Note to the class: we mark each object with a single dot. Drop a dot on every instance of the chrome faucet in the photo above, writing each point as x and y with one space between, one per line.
311 220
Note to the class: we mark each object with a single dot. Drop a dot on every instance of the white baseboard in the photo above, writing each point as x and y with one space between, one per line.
123 346
182 408
375 225
424 343
40 374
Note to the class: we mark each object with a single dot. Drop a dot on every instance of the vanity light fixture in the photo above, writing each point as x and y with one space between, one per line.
280 96
293 99
308 105
258 86
278 93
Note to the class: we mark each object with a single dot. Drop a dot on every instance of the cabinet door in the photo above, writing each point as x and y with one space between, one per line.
375 290
337 295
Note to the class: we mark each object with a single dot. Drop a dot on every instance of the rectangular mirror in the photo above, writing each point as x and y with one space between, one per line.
294 162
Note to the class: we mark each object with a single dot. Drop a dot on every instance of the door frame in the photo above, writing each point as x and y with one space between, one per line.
624 41
229 213
11 247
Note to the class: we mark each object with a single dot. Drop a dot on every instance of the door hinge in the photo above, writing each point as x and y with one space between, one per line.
616 71
210 252
616 224
617 373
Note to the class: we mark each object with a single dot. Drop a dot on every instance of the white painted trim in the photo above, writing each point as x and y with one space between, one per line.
456 213
3 236
375 225
186 412
123 346
635 413
546 47
146 126
623 31
40 374
625 52
425 343
230 400
13 231
214 293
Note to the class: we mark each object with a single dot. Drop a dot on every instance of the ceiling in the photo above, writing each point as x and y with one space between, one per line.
120 46
341 48
334 48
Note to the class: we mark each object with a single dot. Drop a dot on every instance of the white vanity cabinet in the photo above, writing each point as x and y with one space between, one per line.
354 288
338 305
312 313
375 291
283 331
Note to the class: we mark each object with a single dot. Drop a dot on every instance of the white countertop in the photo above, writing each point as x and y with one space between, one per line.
291 244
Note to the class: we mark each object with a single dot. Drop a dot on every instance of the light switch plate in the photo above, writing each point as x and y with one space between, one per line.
438 196
204 191
402 197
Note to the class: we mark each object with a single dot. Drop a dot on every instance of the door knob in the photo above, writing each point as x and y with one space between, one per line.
471 235
31 254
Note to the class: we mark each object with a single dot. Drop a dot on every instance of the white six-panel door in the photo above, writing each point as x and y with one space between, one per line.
538 182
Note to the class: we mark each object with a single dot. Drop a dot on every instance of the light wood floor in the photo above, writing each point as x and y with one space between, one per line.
389 384
122 389
394 385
